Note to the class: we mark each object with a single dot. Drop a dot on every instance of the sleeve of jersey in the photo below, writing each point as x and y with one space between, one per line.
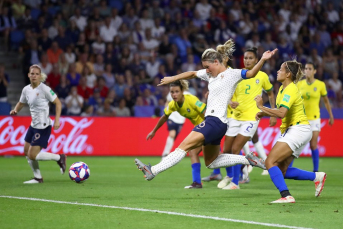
168 110
288 98
198 105
202 75
267 86
323 91
23 97
49 94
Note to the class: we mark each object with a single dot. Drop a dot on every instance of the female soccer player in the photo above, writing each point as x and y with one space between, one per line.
243 124
222 84
37 95
295 133
189 106
311 90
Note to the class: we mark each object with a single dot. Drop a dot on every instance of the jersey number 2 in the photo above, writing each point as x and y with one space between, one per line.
247 89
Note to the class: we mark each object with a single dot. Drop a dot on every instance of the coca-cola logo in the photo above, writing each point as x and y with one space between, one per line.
67 139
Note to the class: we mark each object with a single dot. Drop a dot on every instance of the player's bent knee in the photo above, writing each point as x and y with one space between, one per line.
31 156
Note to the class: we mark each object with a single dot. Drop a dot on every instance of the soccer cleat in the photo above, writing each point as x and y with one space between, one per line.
244 181
284 200
146 169
255 161
224 182
265 173
194 185
319 182
212 177
231 186
34 181
62 162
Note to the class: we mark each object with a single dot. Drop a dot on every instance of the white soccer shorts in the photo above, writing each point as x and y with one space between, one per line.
245 128
315 124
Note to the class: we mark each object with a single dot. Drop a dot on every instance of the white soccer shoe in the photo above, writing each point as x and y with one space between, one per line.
265 173
319 182
224 182
284 200
231 186
34 181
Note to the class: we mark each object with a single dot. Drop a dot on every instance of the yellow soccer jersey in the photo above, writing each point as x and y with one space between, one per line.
311 94
229 108
192 108
246 92
290 98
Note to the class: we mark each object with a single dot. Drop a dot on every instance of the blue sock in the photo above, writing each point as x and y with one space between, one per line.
291 165
277 178
196 172
229 171
298 174
236 172
216 171
315 160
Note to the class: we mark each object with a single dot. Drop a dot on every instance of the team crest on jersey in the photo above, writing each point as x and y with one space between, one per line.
188 110
37 94
257 81
222 76
315 89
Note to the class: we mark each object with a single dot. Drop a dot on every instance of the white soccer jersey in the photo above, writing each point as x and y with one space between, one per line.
38 100
175 116
221 90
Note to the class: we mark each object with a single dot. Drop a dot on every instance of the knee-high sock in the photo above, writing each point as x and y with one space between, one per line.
225 160
260 150
216 171
315 160
246 148
45 156
298 174
168 146
169 161
196 172
277 178
35 168
229 171
236 172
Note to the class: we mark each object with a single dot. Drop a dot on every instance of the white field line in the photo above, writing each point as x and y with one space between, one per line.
154 211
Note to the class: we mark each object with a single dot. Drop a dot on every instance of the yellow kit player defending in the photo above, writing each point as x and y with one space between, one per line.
190 107
312 90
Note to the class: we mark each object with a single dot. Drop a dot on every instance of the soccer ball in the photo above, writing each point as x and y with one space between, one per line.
79 171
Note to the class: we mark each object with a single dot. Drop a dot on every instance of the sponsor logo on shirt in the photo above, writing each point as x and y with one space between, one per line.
286 98
198 103
52 92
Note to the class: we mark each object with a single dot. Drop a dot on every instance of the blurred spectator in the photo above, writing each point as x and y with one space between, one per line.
63 65
268 43
236 11
74 102
109 76
68 8
80 45
336 86
138 33
130 18
18 9
89 111
4 80
155 11
330 63
253 42
83 89
332 13
53 29
152 66
107 33
113 98
31 56
148 98
104 10
70 55
150 44
315 58
316 44
44 64
81 21
7 24
96 100
83 60
122 110
222 34
73 77
106 109
90 77
120 86
98 46
62 90
189 65
25 21
54 53
62 39
145 21
44 41
101 86
54 77
99 65
116 20
130 101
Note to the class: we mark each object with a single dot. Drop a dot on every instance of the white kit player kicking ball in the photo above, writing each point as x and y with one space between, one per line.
222 85
37 95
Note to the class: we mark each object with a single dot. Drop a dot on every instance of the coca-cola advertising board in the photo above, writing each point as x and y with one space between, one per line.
95 136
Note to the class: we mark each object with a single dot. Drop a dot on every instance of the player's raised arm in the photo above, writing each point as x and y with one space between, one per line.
266 56
170 79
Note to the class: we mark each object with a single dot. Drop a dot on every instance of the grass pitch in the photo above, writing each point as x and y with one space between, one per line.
115 182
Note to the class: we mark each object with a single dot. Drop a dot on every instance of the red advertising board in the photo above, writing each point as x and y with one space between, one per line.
96 136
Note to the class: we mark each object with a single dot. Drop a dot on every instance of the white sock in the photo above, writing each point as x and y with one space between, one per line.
45 156
260 150
246 148
168 146
35 168
227 160
172 159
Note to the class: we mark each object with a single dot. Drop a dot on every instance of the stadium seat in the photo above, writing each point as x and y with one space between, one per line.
116 4
35 13
16 37
5 108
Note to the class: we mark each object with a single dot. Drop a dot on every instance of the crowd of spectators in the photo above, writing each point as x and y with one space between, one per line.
103 57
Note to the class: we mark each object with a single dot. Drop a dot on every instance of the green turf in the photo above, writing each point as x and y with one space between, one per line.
115 181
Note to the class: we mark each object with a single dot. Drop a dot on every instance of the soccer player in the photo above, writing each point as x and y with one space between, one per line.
243 124
222 84
37 95
312 90
295 133
188 106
